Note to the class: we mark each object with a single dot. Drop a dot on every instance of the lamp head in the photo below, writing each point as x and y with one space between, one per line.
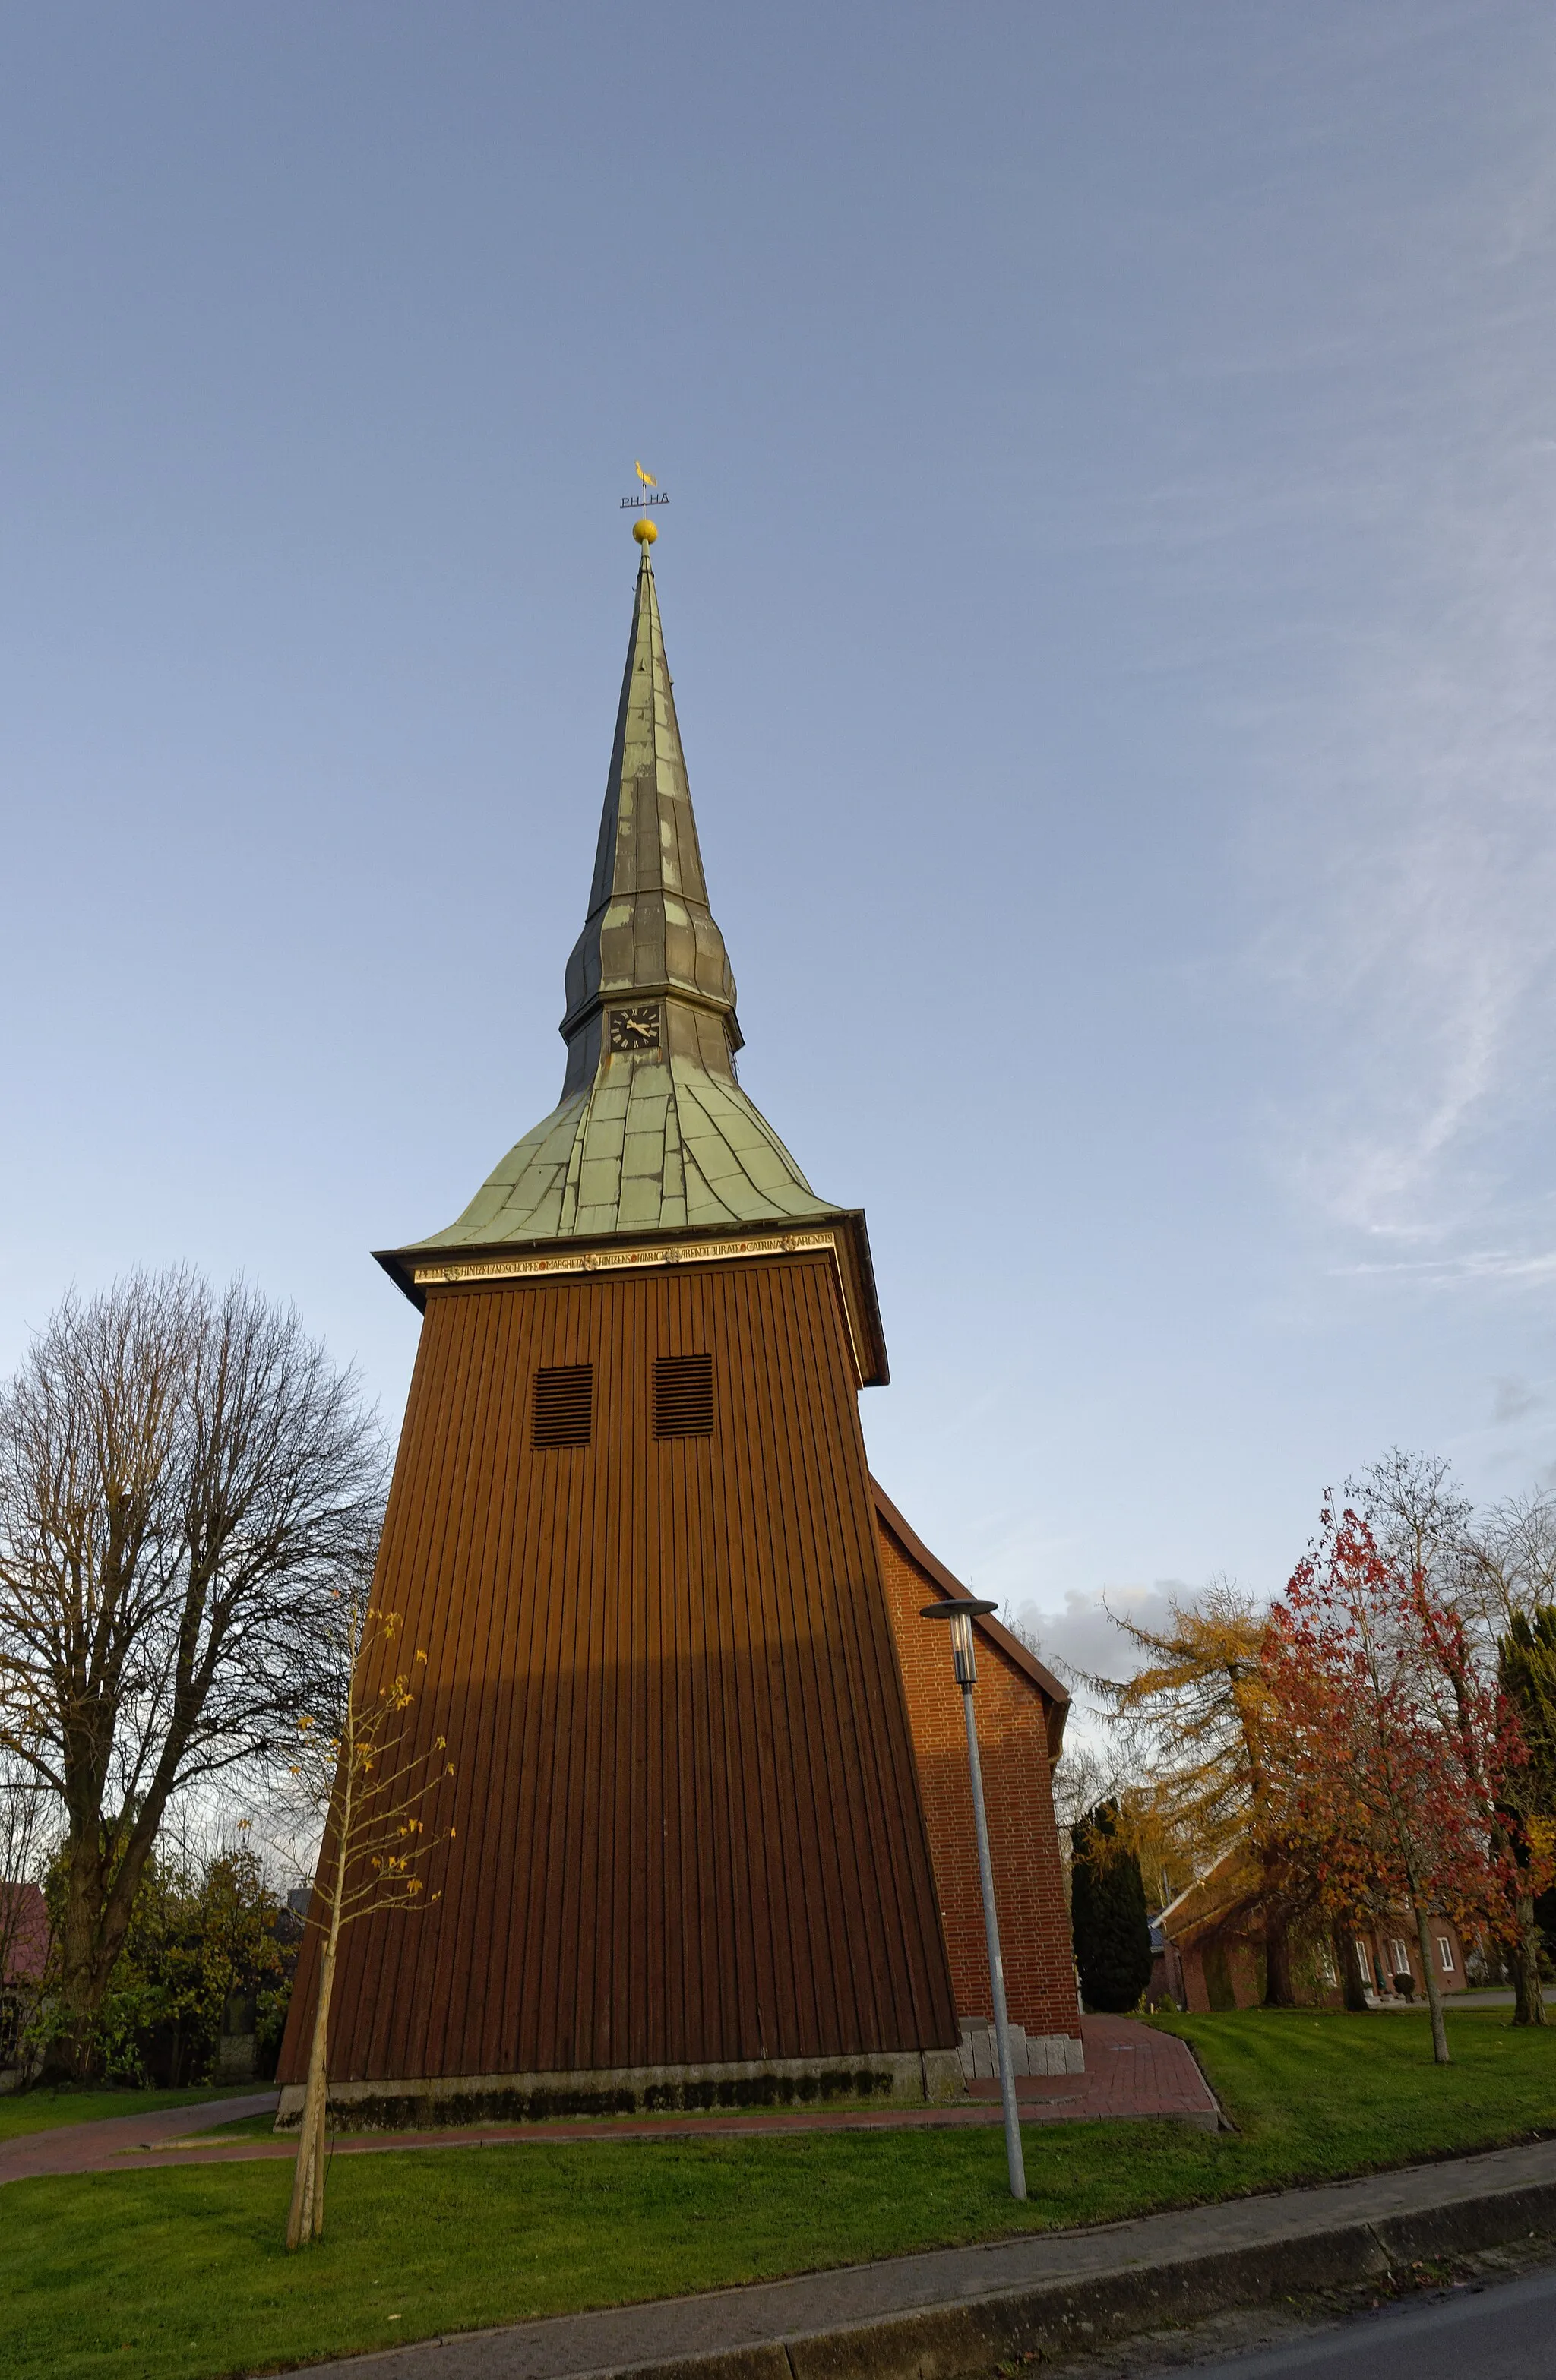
961 1612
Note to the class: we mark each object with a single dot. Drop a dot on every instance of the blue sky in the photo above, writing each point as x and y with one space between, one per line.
1109 581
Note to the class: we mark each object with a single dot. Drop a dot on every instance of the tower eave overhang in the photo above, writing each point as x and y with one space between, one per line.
419 1269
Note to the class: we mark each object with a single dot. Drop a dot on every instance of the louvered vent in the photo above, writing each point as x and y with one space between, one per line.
562 1414
684 1396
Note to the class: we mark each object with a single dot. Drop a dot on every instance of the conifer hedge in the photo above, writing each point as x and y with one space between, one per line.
1108 1914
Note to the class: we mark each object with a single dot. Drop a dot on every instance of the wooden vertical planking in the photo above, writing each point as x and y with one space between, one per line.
688 1820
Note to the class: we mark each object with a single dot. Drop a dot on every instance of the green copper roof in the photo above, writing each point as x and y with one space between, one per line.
649 927
660 1135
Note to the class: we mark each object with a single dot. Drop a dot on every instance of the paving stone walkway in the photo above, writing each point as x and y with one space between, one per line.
1132 2071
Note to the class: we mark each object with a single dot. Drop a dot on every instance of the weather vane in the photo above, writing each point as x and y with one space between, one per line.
651 494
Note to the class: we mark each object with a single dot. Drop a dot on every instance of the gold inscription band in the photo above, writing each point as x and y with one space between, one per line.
618 1259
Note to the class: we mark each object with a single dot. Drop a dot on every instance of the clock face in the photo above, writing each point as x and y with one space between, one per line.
635 1028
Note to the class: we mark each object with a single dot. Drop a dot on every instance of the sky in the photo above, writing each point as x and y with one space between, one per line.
1109 578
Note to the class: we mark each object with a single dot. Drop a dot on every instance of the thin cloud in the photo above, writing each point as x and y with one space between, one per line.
1415 933
1475 1267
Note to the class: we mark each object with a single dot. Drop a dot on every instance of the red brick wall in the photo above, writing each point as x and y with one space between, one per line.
1024 1842
1381 1942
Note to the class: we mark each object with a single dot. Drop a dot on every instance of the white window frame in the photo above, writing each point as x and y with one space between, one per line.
1364 1961
1326 1965
1401 1958
1446 1955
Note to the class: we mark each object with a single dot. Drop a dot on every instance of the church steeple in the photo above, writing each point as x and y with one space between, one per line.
649 928
653 1133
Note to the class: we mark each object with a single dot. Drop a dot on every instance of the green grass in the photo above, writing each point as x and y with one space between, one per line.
39 2111
180 2275
1317 2095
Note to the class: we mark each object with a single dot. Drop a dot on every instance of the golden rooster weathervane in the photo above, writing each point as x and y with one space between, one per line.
644 528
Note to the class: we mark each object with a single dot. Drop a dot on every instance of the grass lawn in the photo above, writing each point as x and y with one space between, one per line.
181 2273
39 2111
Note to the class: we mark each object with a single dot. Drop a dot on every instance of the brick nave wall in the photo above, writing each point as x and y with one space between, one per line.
1023 1837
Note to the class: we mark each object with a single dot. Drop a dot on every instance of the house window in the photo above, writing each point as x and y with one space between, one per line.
1364 1961
562 1411
1401 1959
1326 1965
1445 1954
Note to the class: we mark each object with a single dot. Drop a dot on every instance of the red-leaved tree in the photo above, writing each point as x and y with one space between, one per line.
1396 1754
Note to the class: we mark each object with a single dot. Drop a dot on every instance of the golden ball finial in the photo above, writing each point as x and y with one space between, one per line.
644 531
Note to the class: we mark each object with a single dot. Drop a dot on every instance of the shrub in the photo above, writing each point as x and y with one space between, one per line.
199 1940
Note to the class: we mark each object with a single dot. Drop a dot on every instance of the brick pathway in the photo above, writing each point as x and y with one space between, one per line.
1132 2071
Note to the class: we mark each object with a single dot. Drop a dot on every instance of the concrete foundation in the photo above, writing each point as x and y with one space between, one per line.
1030 2053
913 2078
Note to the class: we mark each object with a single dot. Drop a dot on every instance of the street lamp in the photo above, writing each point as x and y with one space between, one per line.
961 1616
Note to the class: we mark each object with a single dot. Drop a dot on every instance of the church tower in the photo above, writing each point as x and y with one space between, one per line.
632 1526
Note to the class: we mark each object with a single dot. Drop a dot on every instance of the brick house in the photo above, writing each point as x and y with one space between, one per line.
1212 1953
1021 1709
1388 1952
24 1949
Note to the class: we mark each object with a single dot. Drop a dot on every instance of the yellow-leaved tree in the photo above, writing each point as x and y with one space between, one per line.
1193 1727
354 1764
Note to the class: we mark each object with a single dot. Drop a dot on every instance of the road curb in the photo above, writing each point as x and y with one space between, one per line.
1043 2319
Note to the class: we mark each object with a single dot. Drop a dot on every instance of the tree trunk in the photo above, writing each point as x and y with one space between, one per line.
1353 1991
306 2219
1278 1990
1434 1998
1528 1994
95 1920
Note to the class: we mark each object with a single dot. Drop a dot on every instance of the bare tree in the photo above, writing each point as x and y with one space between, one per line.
1511 1561
183 1477
1082 1778
1420 1515
369 1788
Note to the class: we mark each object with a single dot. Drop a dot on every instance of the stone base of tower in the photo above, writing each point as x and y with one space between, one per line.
903 2078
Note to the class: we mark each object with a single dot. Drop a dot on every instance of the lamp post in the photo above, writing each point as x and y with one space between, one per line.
961 1616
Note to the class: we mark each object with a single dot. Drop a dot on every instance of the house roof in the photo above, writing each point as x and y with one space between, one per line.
1227 1888
1056 1698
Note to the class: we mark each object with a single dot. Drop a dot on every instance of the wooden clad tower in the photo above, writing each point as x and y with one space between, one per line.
632 1526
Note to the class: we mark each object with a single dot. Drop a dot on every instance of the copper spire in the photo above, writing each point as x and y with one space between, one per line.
653 1130
649 928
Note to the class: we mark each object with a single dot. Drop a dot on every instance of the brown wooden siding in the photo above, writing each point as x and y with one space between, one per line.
689 1824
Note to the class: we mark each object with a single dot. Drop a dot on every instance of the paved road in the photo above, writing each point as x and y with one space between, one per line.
1507 2332
1493 1996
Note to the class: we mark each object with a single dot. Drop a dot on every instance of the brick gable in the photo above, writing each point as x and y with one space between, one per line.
1020 1726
